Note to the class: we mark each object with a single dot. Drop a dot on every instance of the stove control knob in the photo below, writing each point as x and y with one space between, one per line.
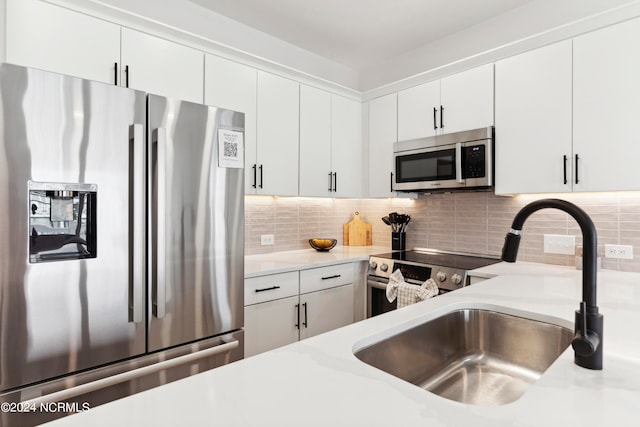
442 276
373 265
456 279
384 267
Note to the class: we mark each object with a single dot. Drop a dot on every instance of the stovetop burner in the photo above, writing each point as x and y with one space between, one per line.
442 259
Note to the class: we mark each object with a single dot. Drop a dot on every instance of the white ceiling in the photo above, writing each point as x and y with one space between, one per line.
360 33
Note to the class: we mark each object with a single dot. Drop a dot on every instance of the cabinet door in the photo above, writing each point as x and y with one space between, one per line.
162 67
383 127
48 37
315 141
231 85
416 118
606 108
269 325
533 121
346 146
277 135
467 100
326 310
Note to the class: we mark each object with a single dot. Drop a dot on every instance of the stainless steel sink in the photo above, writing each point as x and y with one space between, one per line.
473 356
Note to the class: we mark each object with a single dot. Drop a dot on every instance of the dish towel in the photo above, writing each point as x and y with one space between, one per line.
407 293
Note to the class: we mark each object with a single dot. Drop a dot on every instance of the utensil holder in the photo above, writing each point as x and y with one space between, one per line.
398 241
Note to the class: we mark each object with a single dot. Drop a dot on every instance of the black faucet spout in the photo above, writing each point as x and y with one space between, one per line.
587 342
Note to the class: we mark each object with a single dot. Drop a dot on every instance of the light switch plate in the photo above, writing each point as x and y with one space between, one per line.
559 244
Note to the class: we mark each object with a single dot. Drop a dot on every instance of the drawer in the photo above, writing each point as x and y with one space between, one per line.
271 287
315 279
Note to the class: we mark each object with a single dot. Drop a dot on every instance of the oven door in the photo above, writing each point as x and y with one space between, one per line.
377 302
429 168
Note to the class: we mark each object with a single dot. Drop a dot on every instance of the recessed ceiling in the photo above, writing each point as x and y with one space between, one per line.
360 33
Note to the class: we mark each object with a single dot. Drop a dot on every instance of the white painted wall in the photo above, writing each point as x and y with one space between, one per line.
3 32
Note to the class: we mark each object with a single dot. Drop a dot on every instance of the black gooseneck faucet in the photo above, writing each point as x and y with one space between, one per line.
587 342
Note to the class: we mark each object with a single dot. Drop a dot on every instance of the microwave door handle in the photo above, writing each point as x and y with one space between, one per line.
459 177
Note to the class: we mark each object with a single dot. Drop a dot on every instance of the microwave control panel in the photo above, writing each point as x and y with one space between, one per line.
474 159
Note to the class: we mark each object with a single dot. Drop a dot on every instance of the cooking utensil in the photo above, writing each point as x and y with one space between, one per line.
406 222
385 219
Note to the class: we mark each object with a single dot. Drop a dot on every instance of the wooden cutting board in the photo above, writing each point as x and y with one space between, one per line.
357 232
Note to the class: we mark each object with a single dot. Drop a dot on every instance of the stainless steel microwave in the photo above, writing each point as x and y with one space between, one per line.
461 160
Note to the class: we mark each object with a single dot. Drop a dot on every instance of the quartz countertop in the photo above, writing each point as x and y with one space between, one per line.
281 262
319 382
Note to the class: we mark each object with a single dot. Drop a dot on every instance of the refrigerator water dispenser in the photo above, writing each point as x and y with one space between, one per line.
62 221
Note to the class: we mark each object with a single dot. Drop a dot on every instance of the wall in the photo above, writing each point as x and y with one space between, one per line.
464 222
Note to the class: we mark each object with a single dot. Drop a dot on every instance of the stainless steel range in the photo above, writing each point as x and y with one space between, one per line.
448 269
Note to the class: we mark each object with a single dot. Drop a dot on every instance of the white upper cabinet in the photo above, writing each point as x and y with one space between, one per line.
276 165
233 86
467 100
533 121
53 38
316 177
48 37
330 144
455 103
162 67
346 147
606 109
418 110
382 135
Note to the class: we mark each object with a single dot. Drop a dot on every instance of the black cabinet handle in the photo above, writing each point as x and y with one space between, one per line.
255 175
577 158
441 117
335 182
305 323
261 178
115 73
564 167
335 276
435 111
268 289
330 182
297 325
126 74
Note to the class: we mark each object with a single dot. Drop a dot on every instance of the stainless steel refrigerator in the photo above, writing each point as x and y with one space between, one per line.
121 239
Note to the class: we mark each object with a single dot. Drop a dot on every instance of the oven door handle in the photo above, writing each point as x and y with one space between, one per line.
378 284
459 177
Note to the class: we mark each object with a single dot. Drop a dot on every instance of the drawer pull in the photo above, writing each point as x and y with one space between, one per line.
268 289
335 276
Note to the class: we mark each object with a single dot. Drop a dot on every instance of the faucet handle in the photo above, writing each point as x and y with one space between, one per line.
587 342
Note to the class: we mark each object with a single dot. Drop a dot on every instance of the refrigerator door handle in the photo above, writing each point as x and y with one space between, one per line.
137 195
159 303
79 390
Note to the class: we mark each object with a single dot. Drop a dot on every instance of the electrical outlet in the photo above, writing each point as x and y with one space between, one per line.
266 239
559 244
618 251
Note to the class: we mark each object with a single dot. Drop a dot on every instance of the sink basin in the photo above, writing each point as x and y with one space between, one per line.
474 356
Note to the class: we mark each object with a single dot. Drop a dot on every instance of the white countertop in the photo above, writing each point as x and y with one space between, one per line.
318 381
280 262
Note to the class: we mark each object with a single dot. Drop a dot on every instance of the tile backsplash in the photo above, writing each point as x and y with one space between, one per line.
463 222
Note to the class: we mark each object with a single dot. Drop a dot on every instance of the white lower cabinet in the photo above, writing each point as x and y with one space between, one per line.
323 311
283 308
270 325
